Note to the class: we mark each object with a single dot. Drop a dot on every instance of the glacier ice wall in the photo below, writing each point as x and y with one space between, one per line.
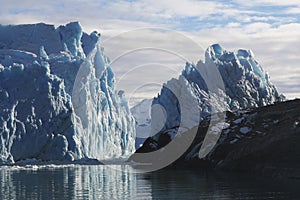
95 98
40 68
245 85
36 115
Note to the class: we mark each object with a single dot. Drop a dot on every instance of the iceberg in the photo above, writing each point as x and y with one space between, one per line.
58 98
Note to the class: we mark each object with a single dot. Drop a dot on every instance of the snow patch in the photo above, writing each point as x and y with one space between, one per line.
245 130
234 141
239 120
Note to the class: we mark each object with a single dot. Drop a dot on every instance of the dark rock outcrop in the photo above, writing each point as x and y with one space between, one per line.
263 140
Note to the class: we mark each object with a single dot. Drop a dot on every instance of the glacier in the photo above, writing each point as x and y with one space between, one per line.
58 97
239 82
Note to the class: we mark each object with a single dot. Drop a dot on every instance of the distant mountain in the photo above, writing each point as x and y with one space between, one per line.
142 112
57 94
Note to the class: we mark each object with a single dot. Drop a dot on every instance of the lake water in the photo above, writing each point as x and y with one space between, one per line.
119 182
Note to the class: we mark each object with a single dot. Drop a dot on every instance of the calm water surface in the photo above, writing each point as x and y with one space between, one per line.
118 182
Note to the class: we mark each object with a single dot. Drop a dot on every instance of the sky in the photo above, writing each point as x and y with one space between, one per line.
149 41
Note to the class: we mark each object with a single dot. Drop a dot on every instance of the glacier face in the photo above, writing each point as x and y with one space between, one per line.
57 94
242 83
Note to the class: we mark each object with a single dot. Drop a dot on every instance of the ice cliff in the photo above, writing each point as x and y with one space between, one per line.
238 79
58 99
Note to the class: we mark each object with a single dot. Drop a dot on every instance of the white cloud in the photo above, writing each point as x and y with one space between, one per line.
269 3
294 10
274 38
256 27
233 25
276 49
166 12
149 56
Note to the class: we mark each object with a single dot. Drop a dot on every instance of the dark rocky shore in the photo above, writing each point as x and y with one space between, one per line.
264 140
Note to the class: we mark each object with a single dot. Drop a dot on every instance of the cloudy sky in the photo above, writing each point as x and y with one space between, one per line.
171 31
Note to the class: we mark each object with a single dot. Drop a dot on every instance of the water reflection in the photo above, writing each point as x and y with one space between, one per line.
105 182
79 182
207 184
